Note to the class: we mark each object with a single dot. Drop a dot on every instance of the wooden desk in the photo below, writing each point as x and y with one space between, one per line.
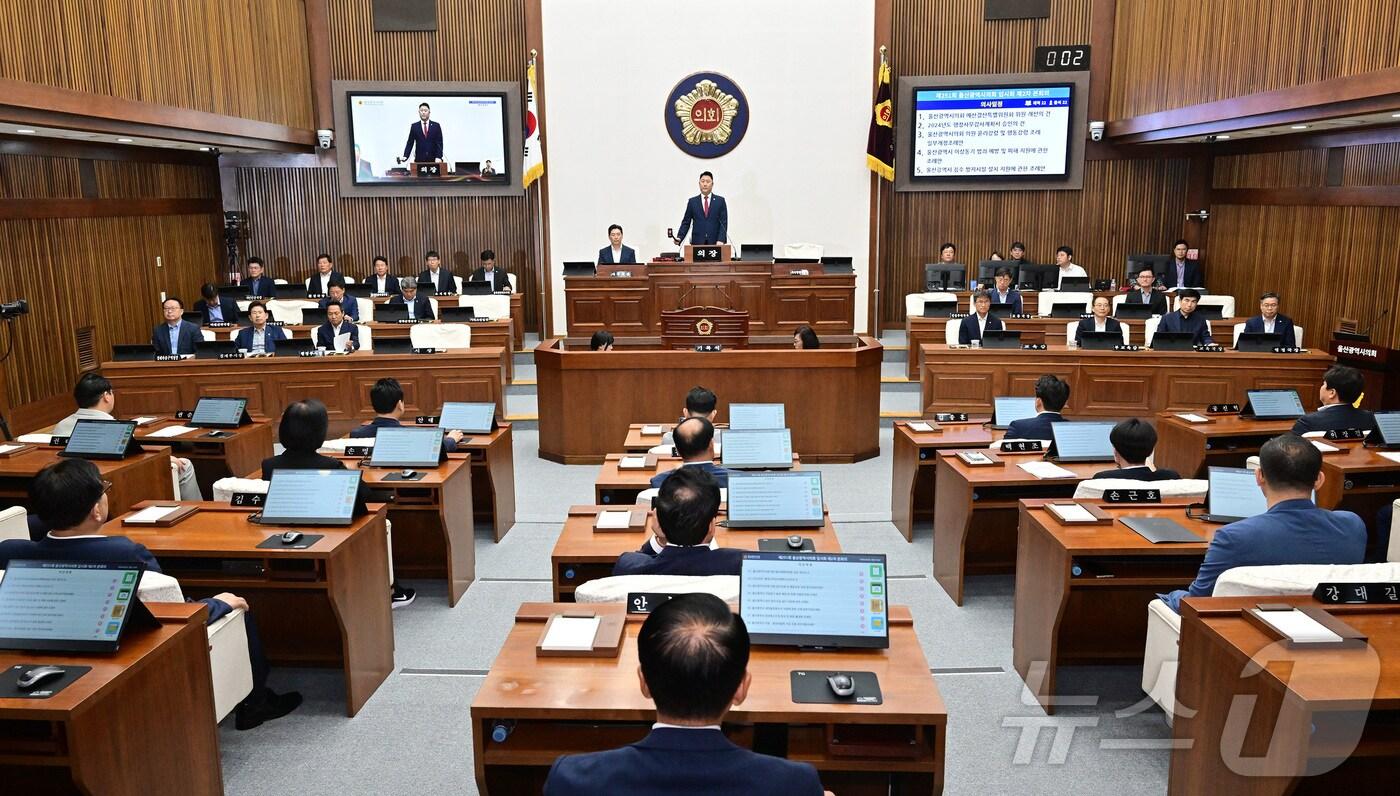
140 722
145 476
914 465
1359 479
616 487
587 399
1113 384
572 705
242 450
637 442
986 499
1099 616
777 301
1299 732
327 605
1226 441
582 554
517 315
341 382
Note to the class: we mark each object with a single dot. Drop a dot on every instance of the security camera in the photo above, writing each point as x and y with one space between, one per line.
14 309
1199 215
1096 131
325 138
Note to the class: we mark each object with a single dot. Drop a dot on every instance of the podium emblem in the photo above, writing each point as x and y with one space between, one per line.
704 326
706 115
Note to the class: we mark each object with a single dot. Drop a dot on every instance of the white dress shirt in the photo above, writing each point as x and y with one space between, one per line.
1073 270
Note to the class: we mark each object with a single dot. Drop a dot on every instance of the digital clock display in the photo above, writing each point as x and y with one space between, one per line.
1068 58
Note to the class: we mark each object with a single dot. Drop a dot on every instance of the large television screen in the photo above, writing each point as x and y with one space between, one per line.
428 138
991 132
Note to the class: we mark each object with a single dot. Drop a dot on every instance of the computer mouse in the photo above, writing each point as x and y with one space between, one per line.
795 542
841 684
291 537
32 678
407 473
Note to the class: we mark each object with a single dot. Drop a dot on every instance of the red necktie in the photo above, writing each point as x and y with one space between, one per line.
425 129
707 206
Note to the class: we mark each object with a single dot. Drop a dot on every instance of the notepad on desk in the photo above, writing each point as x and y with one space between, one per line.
35 439
920 426
1324 447
632 463
1391 455
614 520
1046 470
172 431
651 429
1298 627
144 420
1192 417
571 634
152 514
1071 512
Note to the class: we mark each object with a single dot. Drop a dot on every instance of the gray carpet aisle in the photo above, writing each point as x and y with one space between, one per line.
414 735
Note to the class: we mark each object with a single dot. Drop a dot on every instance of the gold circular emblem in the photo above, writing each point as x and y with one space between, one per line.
704 326
706 114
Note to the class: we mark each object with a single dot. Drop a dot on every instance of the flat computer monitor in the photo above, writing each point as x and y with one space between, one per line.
939 309
1007 409
1211 312
1136 262
987 272
133 352
1066 309
757 252
293 346
579 268
1259 341
1387 431
1001 338
1172 341
1134 311
1039 276
1001 309
313 316
745 417
1233 495
390 313
211 349
220 413
193 316
101 439
67 606
469 418
476 287
235 292
407 446
312 497
1273 405
838 265
455 314
387 345
358 290
775 500
295 291
806 600
951 276
1078 284
1100 341
1080 442
757 449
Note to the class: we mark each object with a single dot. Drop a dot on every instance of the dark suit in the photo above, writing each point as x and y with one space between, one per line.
720 474
1013 297
1192 271
1335 417
1291 532
1037 427
348 304
426 147
968 330
1087 325
271 336
188 340
629 256
1154 299
391 285
1195 323
371 429
296 460
444 282
712 228
262 287
228 308
313 282
697 560
1139 474
422 306
681 762
1283 327
325 336
500 280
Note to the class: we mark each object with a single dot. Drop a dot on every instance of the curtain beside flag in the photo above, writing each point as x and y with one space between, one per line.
879 148
534 152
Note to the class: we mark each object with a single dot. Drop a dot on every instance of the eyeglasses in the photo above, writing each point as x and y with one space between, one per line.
106 486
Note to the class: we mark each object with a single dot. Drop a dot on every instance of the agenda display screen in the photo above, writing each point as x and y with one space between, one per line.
311 497
1234 492
1082 442
469 418
100 439
751 416
815 599
1275 404
66 605
971 132
407 446
775 500
1007 409
218 412
768 448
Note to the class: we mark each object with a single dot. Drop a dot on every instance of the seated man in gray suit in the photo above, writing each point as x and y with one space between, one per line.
176 335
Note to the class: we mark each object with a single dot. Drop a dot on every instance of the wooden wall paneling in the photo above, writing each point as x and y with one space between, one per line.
1299 168
1372 164
37 176
951 37
475 40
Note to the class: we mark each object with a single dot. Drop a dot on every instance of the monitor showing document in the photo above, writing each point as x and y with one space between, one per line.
100 439
1081 442
219 412
1275 404
775 500
1007 409
815 599
745 417
1234 494
71 606
407 446
767 449
312 497
1388 428
469 418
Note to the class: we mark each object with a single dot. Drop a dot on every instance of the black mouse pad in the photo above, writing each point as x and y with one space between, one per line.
809 686
781 546
418 476
9 678
274 542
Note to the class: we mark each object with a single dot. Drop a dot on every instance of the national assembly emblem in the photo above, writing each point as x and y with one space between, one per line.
704 327
706 115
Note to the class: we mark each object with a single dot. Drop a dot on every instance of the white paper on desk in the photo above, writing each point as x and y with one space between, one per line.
1046 470
632 463
144 419
652 429
1192 417
920 426
1324 447
614 520
35 439
1070 512
8 448
1314 434
171 431
1394 457
153 514
1298 626
571 634
341 341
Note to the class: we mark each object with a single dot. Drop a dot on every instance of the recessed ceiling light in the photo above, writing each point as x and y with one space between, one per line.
204 149
123 140
24 130
1300 127
1222 138
1395 115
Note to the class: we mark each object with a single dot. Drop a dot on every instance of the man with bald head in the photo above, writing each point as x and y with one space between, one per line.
694 441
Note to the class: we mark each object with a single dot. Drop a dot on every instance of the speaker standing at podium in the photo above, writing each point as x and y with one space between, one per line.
424 138
708 213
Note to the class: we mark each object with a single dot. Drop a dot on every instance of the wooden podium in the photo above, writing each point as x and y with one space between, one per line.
1380 366
694 326
707 253
434 168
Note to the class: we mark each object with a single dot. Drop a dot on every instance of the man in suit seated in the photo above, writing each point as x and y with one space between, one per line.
387 398
337 324
979 320
1101 322
1143 291
348 304
708 213
1341 386
1133 441
1271 321
437 273
216 308
70 499
1005 292
320 282
1186 319
1292 531
259 284
693 656
1182 272
694 440
1051 395
259 338
96 400
380 281
176 335
615 253
686 508
418 306
488 272
699 402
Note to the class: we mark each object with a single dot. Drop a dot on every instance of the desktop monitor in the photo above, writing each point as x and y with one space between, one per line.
390 345
1038 276
1079 284
757 252
1001 338
951 276
1233 494
987 271
390 313
102 439
1211 312
293 346
1001 309
312 497
456 314
775 500
1080 442
476 287
68 606
939 309
1134 311
358 290
1136 262
1259 341
192 316
1273 405
220 413
132 352
469 418
407 446
815 600
1172 341
746 417
1067 309
296 291
313 316
579 268
1100 341
1007 409
211 349
1387 431
757 449
838 265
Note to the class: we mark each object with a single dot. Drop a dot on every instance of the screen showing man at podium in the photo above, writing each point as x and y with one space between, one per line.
707 213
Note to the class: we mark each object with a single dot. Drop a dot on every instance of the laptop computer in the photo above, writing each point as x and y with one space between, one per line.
1258 341
1387 431
397 447
745 417
311 497
1080 442
1233 495
469 418
210 412
1100 341
1132 311
843 602
1172 341
132 352
211 349
99 602
775 500
1001 338
1007 409
765 449
102 440
1272 405
579 268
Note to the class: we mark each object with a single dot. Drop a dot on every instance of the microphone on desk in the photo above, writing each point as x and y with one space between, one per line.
1373 323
